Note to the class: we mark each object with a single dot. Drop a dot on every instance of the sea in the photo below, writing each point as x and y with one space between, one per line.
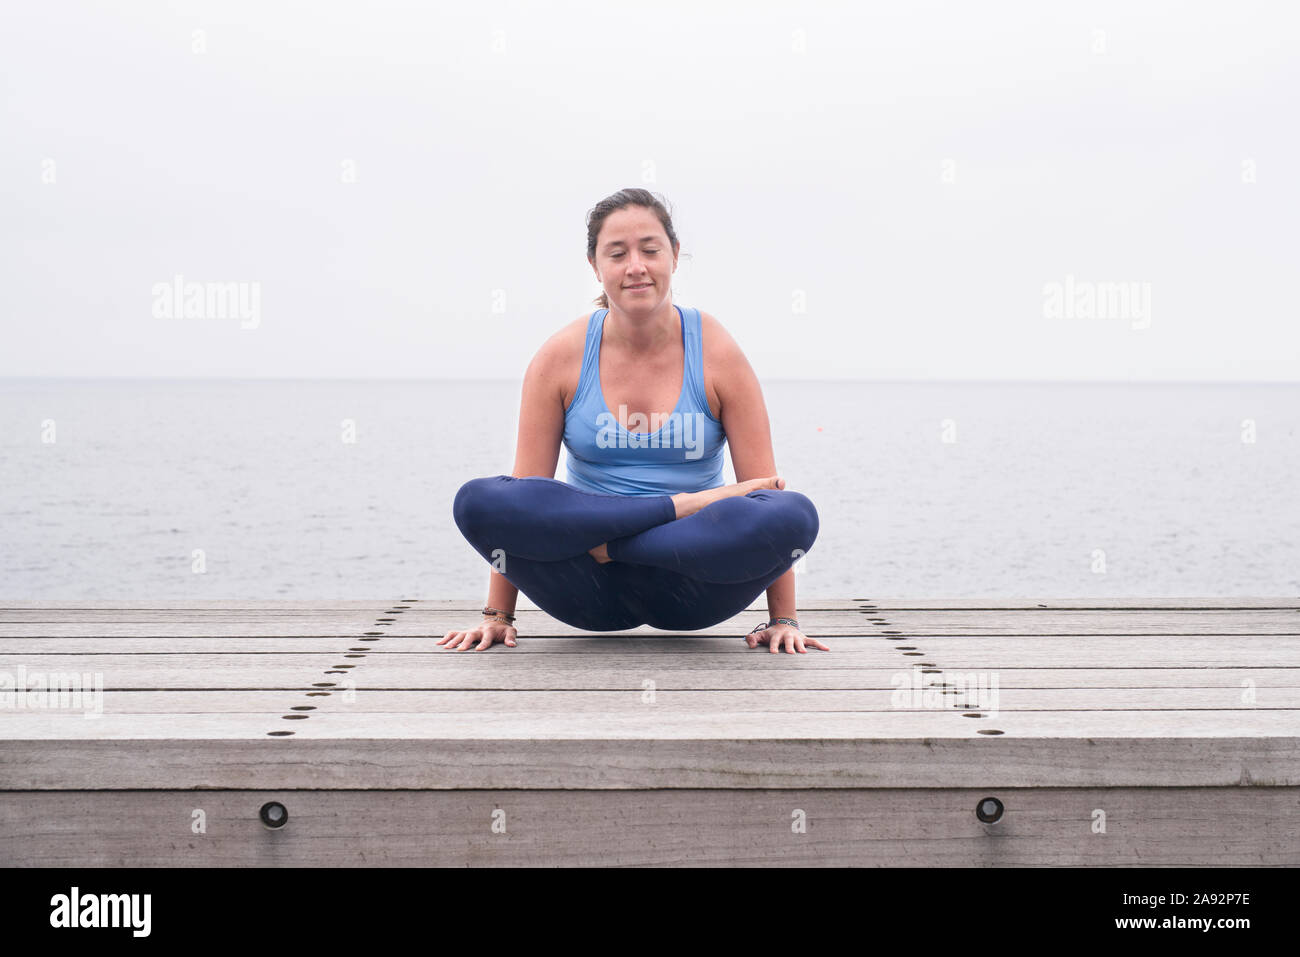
139 489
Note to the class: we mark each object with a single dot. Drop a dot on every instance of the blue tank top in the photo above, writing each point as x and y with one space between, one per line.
679 453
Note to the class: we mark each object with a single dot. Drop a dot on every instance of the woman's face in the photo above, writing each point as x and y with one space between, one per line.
634 261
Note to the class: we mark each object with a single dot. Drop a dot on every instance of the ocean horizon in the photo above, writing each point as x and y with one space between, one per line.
309 489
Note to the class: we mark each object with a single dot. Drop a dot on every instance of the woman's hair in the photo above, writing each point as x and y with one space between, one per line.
621 200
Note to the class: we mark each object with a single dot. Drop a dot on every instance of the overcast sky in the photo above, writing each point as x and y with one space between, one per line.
883 191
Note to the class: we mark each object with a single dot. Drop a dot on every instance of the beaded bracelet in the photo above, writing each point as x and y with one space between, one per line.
763 625
491 612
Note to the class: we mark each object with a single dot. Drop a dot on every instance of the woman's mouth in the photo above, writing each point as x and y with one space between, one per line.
644 285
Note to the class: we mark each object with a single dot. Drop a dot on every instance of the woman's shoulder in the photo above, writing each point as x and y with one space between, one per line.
565 341
560 357
721 357
717 344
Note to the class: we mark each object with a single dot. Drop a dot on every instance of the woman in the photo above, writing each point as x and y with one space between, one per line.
644 531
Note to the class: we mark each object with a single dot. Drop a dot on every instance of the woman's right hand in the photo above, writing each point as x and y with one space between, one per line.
485 633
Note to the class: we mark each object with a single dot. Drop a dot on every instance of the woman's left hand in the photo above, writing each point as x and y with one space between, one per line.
775 635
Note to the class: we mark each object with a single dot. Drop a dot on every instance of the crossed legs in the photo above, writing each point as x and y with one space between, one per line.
674 573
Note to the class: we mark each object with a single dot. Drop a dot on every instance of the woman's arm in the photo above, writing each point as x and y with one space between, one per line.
537 446
749 433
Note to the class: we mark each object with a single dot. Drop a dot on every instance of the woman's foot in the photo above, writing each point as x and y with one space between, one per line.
688 503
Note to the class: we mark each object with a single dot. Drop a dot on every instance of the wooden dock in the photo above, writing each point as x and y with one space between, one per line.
935 733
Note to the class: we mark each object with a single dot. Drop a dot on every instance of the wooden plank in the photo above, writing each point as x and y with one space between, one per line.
896 827
1180 719
167 669
218 604
241 606
1286 648
712 701
423 612
724 630
920 604
500 668
324 619
653 724
805 604
395 760
191 624
975 624
1010 622
193 629
184 629
1099 622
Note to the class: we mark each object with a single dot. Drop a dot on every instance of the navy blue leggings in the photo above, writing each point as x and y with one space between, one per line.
675 574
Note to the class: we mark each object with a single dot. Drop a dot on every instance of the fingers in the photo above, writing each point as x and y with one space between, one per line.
755 638
490 635
486 637
790 641
463 639
800 643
